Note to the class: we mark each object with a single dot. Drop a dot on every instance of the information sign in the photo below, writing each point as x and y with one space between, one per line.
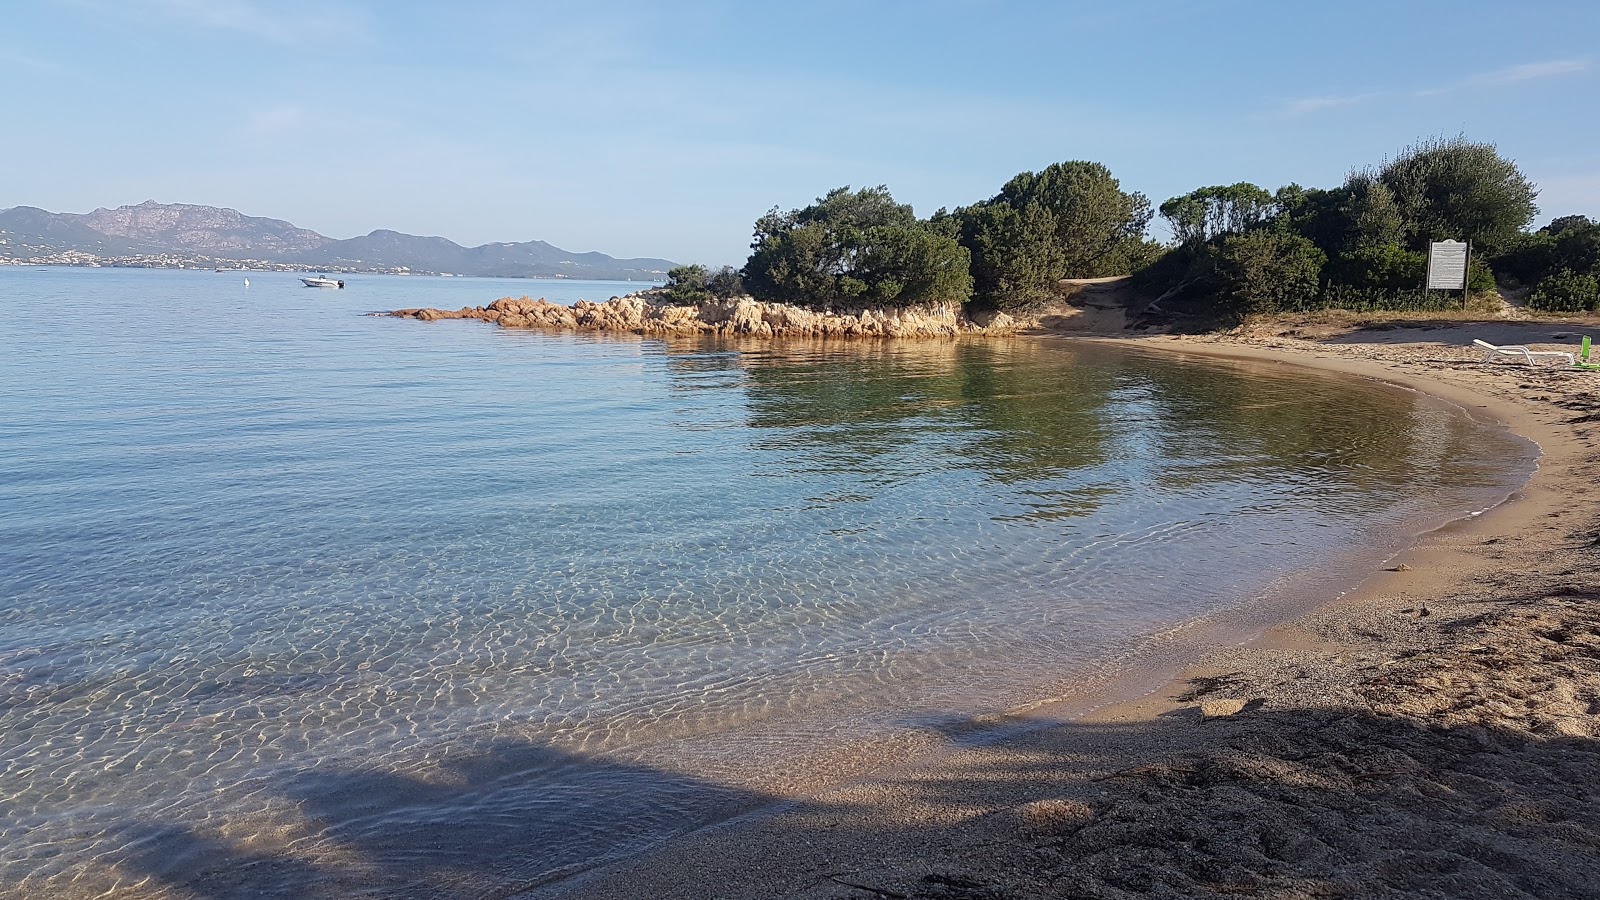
1447 266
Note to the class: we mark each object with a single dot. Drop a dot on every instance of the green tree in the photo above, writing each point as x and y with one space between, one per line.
1390 267
1211 212
1017 260
1567 291
852 248
1456 189
1569 243
1322 215
1095 220
725 283
1371 214
686 286
1266 269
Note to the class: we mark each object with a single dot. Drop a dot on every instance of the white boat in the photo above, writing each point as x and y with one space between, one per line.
322 281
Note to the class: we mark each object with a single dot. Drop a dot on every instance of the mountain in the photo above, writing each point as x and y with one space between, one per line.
152 233
203 229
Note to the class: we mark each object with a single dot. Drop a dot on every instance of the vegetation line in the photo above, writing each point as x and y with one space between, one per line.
1237 249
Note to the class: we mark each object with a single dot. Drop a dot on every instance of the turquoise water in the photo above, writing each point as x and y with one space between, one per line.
296 601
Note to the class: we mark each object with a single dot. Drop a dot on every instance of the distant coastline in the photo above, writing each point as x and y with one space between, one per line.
204 264
153 235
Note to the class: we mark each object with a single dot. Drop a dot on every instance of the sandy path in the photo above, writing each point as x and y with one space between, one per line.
1435 733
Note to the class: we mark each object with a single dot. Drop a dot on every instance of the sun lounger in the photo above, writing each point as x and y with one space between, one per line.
1492 352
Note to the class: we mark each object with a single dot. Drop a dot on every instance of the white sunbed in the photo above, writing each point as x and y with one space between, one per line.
1492 352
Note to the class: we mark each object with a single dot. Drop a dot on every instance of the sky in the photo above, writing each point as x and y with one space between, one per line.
665 129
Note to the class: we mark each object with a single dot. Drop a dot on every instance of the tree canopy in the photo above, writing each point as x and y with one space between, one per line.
1070 220
1211 212
693 285
1455 189
1093 217
856 247
1235 246
1248 249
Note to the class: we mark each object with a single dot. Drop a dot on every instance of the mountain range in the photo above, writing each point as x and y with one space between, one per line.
152 233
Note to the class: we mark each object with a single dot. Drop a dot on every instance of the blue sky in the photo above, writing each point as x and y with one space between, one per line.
665 129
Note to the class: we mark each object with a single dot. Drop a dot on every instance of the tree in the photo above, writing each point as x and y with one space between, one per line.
1371 213
1017 260
1267 269
1218 210
1455 189
1566 291
725 283
686 286
1570 243
851 248
1389 267
1094 219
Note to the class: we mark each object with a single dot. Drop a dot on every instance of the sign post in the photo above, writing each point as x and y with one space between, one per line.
1448 263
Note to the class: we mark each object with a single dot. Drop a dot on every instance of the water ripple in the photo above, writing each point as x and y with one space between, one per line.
295 602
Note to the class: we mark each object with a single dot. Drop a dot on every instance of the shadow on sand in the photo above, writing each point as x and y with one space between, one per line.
1280 803
481 823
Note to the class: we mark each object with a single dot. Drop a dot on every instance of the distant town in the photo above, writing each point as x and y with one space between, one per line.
174 261
155 235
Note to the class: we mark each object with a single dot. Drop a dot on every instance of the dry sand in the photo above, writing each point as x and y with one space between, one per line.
1435 733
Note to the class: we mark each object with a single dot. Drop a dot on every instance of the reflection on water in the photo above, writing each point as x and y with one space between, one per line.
299 603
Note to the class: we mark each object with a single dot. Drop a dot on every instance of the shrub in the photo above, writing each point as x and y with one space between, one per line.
725 283
686 286
1016 261
1388 266
1570 242
1267 270
852 248
1566 291
1097 225
1211 212
1460 190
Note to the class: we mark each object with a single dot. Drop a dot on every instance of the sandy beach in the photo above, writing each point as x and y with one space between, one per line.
1432 733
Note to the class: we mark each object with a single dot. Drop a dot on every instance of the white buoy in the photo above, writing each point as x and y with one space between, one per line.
247 281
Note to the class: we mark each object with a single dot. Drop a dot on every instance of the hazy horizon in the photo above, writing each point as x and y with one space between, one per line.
640 130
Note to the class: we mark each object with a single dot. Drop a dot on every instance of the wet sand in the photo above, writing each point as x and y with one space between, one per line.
1435 732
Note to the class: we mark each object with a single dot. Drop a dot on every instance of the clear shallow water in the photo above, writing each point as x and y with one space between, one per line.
299 602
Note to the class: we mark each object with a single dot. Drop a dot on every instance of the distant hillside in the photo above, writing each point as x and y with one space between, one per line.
154 233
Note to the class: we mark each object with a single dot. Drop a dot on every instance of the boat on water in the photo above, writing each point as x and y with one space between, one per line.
322 281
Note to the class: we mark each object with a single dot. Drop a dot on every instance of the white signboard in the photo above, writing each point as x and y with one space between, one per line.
1447 266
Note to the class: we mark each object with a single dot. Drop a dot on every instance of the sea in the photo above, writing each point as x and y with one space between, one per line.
301 601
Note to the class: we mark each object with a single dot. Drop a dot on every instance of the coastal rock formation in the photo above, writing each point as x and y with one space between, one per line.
642 314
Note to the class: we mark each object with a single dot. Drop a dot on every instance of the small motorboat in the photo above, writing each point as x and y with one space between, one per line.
322 281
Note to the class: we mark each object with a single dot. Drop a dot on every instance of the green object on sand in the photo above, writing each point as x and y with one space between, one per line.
1583 357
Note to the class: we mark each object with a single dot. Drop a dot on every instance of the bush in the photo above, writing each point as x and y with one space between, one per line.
726 284
1566 291
1098 227
1267 270
686 286
1570 243
854 248
1016 261
1372 299
1390 267
1480 280
1455 189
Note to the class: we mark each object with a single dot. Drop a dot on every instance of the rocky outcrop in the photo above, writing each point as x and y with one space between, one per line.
642 314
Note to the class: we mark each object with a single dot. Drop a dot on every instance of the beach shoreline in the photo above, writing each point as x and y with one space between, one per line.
1190 788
